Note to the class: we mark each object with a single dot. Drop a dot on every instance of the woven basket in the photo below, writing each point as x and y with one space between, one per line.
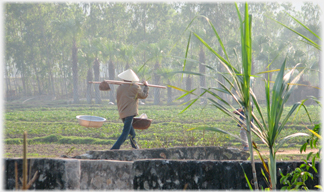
139 123
104 86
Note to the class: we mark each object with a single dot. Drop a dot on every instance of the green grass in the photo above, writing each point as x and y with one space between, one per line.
60 140
58 124
33 155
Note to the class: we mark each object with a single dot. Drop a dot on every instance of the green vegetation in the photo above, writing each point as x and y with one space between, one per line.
268 126
58 125
61 140
117 35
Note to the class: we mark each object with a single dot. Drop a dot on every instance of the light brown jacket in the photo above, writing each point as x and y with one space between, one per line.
127 99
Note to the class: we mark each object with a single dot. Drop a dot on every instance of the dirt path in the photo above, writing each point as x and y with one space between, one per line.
286 151
56 151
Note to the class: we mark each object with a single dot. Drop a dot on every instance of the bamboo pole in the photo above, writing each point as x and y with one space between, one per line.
125 82
16 175
24 187
32 180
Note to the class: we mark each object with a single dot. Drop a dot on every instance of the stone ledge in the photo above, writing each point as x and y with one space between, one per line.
196 153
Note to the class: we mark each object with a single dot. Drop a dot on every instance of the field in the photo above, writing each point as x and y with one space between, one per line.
53 129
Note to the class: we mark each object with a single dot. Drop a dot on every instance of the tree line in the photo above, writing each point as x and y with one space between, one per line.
56 48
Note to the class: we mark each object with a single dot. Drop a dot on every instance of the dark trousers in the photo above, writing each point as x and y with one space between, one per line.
128 130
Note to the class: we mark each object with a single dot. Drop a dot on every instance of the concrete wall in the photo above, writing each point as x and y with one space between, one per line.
55 174
68 174
106 175
209 175
173 168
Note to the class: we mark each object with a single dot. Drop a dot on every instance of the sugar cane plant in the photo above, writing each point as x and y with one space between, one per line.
296 179
266 126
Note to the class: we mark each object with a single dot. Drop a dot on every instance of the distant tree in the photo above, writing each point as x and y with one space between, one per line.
168 76
110 53
71 27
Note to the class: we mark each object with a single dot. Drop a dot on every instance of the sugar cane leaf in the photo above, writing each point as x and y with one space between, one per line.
214 129
313 132
247 179
318 187
213 51
306 38
304 26
285 139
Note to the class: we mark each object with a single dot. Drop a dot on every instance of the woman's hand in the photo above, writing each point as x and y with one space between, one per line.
145 83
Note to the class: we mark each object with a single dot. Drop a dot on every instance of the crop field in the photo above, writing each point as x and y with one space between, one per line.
53 129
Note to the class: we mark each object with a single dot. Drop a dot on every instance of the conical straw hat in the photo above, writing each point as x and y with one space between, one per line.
128 75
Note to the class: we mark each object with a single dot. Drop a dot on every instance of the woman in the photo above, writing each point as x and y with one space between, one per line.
127 104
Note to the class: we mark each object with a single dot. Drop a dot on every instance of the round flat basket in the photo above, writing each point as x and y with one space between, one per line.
139 123
90 121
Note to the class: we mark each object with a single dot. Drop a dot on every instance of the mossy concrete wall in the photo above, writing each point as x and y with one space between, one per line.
204 174
173 169
52 173
106 175
68 174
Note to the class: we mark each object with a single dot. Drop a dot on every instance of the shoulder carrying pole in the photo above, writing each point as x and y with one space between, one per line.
123 82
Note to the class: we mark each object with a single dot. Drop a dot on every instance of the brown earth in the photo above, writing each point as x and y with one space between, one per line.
56 151
291 151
